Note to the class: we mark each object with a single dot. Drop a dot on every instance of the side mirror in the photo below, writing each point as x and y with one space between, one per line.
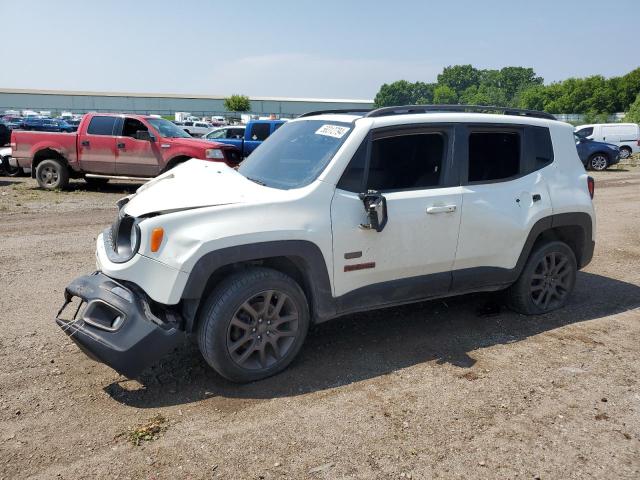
375 205
144 135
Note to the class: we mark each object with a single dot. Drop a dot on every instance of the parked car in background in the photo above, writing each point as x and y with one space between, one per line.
46 125
624 135
256 132
74 122
234 132
5 133
13 122
112 146
195 128
596 155
7 166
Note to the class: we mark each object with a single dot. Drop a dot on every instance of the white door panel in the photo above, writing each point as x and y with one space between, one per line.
497 218
414 242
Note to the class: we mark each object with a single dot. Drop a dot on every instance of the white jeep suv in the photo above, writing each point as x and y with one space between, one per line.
336 212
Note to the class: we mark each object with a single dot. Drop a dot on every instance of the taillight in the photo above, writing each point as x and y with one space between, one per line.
591 185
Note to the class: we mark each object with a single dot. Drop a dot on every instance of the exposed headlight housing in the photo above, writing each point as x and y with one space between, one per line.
122 239
214 153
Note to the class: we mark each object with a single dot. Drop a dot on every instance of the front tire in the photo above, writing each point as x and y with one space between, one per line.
598 162
546 281
253 324
52 174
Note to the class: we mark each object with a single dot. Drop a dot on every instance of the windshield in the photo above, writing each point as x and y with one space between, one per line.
167 129
295 154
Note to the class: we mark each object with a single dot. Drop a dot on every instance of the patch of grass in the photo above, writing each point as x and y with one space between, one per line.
146 432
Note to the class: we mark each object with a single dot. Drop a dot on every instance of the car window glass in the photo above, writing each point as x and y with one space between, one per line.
131 127
493 156
352 179
101 125
543 147
260 131
406 162
585 132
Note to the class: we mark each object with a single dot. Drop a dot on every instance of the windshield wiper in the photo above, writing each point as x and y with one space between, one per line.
255 180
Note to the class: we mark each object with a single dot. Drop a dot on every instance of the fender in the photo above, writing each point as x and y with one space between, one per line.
306 256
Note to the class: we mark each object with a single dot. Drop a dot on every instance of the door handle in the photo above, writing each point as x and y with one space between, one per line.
536 197
85 143
120 145
441 209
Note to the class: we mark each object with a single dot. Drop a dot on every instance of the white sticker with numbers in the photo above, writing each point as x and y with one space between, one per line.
334 131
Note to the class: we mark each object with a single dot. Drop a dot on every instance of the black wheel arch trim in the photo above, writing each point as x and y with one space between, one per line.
305 255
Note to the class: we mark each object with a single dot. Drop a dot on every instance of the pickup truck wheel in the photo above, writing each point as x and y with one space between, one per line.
546 281
52 174
253 324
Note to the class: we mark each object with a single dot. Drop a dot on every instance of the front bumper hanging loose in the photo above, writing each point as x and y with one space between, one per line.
114 324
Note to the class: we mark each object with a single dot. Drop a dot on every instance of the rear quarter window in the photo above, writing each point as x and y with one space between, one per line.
101 126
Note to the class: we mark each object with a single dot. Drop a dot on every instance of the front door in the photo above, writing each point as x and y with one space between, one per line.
412 257
136 158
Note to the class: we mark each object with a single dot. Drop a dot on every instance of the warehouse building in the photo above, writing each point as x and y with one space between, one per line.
58 101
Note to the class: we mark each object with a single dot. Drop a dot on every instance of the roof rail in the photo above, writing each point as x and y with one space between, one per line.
408 109
345 111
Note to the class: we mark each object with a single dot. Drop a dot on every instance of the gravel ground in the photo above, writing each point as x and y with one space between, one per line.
432 390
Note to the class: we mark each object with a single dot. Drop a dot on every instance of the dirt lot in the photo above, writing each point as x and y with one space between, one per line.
433 390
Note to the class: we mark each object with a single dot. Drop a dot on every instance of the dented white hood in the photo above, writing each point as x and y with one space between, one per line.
194 184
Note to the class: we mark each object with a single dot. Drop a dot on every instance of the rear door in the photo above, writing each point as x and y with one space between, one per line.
97 145
137 158
505 194
412 257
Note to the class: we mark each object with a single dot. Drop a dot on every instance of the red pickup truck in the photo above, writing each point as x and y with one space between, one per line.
109 145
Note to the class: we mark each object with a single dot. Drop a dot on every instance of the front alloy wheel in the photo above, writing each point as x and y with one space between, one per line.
599 162
253 324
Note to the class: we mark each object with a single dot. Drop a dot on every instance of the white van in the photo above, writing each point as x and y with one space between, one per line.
624 135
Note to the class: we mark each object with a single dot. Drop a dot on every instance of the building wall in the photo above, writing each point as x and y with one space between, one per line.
161 104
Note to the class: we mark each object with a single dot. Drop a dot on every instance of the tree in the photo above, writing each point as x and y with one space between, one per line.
237 103
633 115
459 77
404 93
444 95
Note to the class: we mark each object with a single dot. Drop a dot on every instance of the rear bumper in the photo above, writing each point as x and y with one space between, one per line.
114 324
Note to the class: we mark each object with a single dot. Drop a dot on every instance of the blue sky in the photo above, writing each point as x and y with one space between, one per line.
322 48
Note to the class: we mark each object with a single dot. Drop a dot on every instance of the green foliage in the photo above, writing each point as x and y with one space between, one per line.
594 96
237 103
633 115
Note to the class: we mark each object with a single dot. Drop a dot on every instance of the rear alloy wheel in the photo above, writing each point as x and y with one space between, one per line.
52 174
625 152
253 324
599 162
546 281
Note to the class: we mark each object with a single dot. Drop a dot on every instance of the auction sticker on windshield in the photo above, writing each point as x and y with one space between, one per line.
334 131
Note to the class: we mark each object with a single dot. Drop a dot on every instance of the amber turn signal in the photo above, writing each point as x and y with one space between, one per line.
157 235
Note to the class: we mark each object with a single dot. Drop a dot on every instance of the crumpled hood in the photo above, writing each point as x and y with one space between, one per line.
193 184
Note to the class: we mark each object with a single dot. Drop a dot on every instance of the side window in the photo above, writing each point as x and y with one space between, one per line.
402 162
131 126
277 126
101 126
260 131
585 132
352 179
542 147
493 155
236 133
218 134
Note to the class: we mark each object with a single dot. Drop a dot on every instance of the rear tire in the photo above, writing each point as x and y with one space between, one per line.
546 281
253 324
625 152
52 174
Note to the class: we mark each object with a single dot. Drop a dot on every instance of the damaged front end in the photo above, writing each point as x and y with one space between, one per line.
117 324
